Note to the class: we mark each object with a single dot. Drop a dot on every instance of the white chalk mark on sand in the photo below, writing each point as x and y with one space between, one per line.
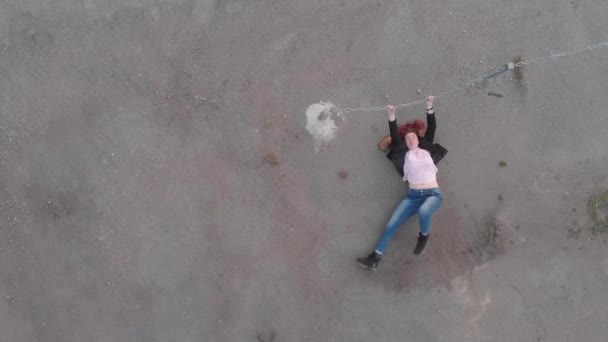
320 124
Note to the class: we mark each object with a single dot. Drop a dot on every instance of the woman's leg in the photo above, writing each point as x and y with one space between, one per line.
427 208
408 207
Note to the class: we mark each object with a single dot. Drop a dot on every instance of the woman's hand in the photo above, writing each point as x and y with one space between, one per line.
390 109
429 102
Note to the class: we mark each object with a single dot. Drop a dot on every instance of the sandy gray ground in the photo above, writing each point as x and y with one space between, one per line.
136 204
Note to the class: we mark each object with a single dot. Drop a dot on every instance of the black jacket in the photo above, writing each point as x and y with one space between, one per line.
398 148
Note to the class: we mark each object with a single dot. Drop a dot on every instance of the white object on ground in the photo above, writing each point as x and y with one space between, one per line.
320 124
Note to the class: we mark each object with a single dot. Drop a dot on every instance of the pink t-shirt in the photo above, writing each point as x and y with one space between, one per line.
419 167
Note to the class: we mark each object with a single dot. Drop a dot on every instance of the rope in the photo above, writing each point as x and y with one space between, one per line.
474 81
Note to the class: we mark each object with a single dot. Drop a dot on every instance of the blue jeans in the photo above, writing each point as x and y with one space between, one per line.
424 202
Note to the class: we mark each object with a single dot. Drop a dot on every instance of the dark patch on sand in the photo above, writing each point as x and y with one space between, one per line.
268 336
271 159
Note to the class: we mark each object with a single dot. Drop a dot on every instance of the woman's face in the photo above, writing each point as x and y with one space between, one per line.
411 140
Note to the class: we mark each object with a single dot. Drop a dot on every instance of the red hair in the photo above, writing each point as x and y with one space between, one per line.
416 126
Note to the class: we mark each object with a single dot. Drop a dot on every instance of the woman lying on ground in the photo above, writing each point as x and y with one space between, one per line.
423 198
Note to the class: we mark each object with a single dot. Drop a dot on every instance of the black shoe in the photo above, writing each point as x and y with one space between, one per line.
421 244
370 262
